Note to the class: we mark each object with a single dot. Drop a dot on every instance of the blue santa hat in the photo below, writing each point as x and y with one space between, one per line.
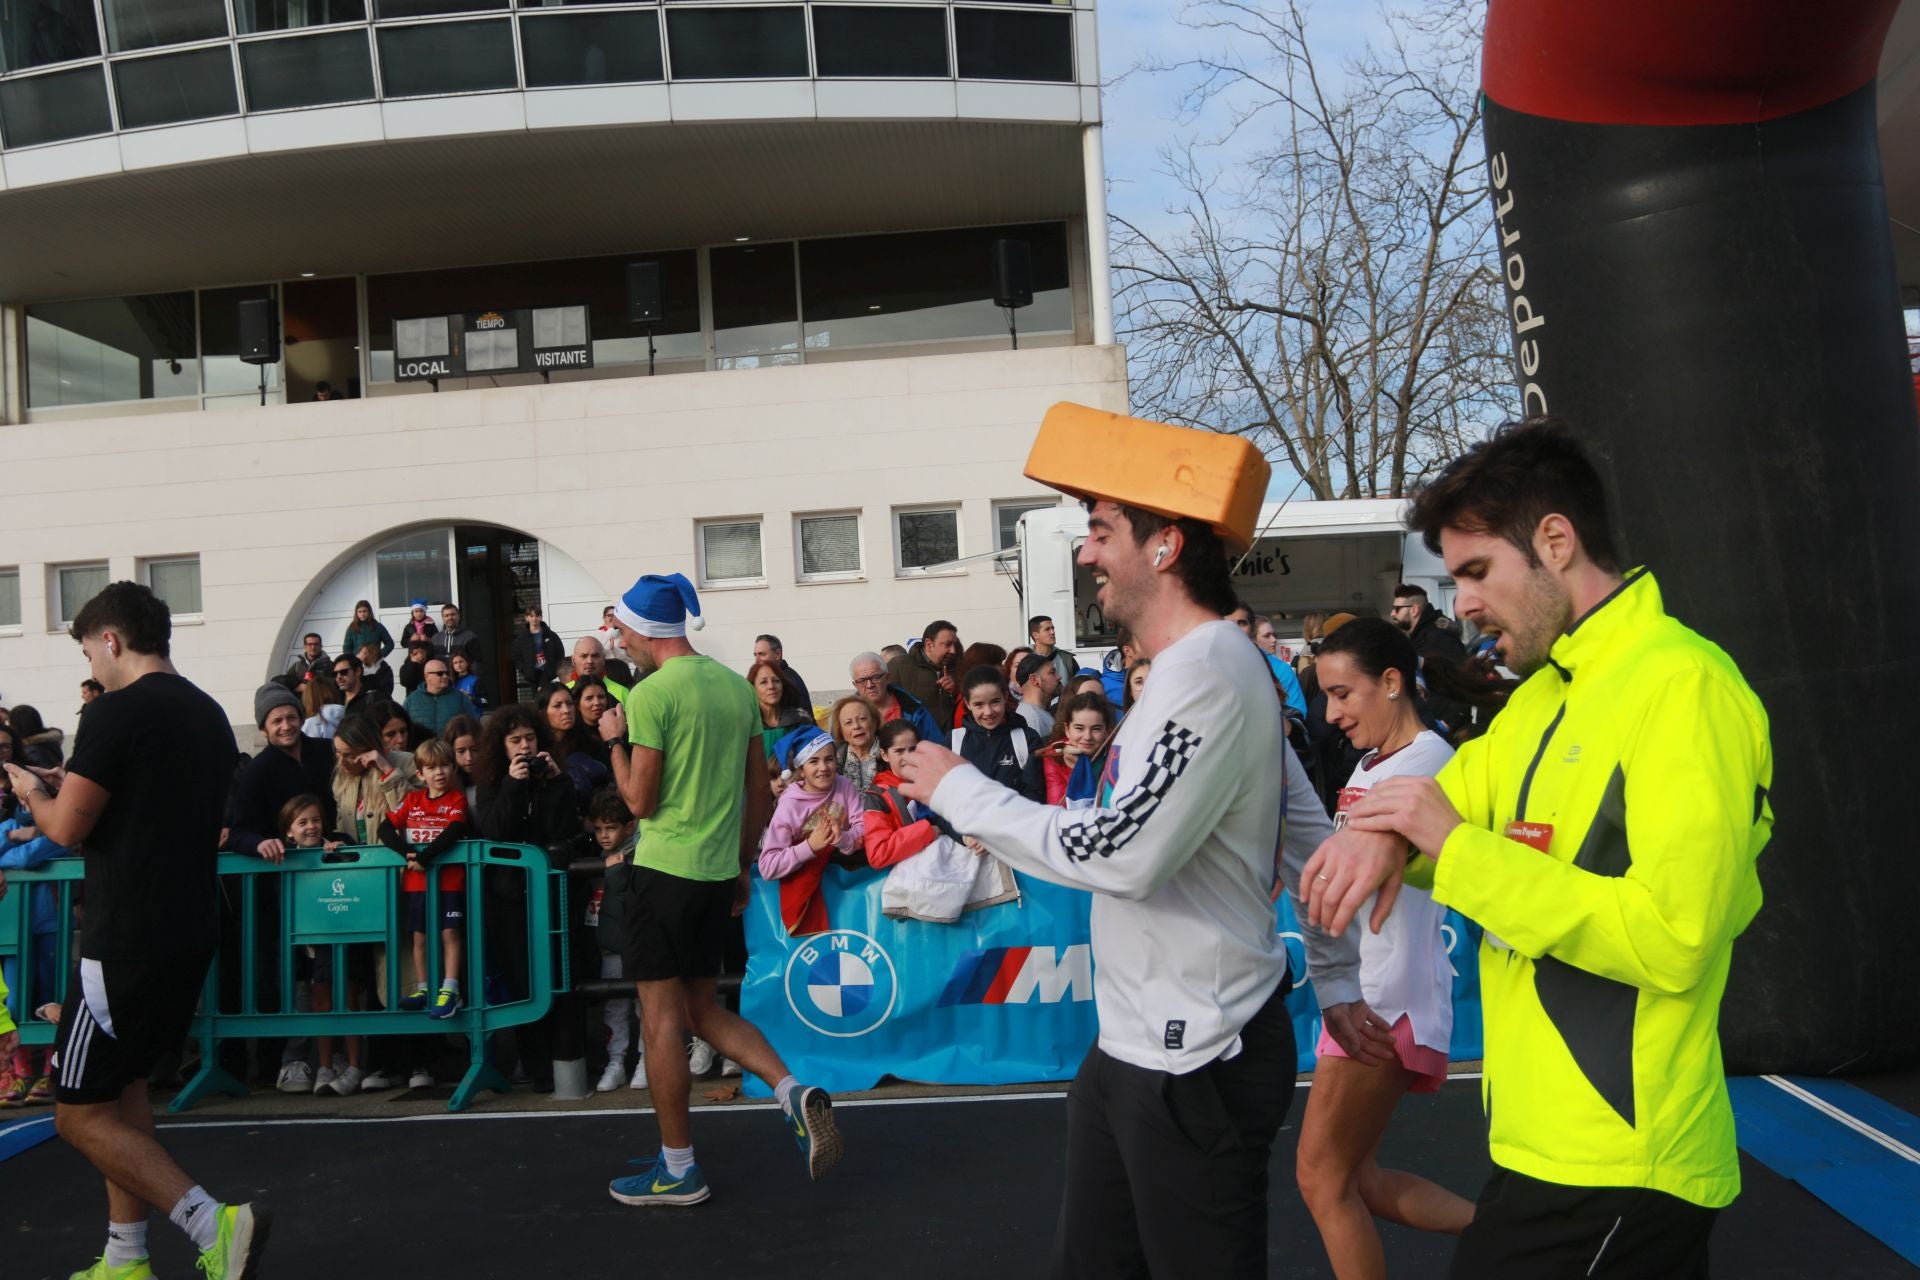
658 607
799 747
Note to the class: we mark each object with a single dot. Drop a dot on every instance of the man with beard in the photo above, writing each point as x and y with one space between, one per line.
1172 1116
1604 832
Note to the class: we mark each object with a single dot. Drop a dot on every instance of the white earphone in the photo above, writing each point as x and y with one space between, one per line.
1160 555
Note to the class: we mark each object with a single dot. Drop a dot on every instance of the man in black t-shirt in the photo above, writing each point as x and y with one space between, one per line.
145 795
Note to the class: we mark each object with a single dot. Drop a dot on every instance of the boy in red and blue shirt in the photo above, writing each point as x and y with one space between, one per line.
425 824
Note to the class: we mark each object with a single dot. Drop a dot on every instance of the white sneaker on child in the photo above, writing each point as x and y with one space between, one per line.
638 1080
728 1067
420 1080
323 1079
295 1077
348 1082
612 1078
699 1057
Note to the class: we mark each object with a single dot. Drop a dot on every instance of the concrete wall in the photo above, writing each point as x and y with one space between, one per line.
613 473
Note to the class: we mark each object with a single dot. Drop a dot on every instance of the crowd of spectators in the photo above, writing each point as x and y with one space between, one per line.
353 755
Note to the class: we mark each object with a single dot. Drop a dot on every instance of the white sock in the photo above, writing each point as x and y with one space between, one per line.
785 1091
450 984
126 1242
198 1214
679 1159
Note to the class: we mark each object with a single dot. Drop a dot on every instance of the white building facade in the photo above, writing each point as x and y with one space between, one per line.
826 435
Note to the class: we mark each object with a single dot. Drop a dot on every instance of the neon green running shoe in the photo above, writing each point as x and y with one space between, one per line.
243 1238
140 1269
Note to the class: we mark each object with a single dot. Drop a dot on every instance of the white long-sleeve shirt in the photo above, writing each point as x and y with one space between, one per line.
1180 860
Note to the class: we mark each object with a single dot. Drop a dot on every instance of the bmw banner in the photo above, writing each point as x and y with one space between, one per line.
1004 996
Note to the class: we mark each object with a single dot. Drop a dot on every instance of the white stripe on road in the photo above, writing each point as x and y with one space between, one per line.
1846 1118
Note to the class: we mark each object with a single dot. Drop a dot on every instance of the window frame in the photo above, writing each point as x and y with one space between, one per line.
744 583
147 566
956 567
19 605
1023 505
57 593
856 574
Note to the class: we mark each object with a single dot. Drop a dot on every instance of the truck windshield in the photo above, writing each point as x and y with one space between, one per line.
1089 620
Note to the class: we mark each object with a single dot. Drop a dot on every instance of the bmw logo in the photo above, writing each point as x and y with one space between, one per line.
841 984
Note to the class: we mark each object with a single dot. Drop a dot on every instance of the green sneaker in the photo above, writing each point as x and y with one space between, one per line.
242 1239
141 1269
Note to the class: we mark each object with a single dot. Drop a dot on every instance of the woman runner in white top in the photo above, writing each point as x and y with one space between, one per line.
1366 670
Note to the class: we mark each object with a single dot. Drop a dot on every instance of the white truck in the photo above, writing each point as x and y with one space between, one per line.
1308 557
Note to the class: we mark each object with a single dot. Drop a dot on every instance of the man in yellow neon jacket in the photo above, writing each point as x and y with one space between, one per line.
1604 832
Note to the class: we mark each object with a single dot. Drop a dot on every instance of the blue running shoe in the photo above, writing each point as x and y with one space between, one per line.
654 1185
814 1129
445 1004
416 1000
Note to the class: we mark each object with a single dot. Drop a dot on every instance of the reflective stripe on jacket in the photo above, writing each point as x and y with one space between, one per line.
1640 758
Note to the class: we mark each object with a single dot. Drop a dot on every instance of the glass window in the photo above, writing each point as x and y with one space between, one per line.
730 552
135 348
177 582
997 44
591 48
865 41
53 108
926 538
600 283
175 87
385 9
1006 521
755 313
927 286
74 585
34 33
414 568
828 545
308 71
148 24
220 342
446 57
737 44
289 15
9 597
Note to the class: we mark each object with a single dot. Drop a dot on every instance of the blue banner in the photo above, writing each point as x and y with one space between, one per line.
1004 996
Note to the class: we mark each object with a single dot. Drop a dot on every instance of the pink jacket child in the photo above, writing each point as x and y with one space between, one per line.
787 852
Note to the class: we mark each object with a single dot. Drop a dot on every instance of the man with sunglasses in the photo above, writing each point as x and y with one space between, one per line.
353 686
436 701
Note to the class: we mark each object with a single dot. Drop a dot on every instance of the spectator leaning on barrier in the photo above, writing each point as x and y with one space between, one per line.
23 847
996 742
524 795
366 629
291 764
437 701
869 675
311 662
855 726
767 649
537 651
145 796
926 672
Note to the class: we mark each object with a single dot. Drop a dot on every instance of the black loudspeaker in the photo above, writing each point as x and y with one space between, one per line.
259 331
1012 273
643 293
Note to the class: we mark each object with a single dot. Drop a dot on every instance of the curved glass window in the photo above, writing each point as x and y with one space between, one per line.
55 107
307 71
290 15
446 57
999 44
386 9
737 44
591 48
861 40
148 24
195 85
35 33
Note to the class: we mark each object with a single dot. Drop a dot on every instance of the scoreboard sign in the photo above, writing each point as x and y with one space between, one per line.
521 340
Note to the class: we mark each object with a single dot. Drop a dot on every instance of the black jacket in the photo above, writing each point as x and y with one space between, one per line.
992 752
271 779
528 648
539 811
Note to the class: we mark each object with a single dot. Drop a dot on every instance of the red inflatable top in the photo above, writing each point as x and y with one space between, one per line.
1671 62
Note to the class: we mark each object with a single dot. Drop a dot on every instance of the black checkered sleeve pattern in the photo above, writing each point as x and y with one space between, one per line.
1089 832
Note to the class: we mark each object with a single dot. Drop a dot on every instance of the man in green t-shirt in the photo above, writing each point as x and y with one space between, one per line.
687 759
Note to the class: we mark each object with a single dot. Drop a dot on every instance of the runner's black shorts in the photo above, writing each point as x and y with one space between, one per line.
676 928
453 910
120 1018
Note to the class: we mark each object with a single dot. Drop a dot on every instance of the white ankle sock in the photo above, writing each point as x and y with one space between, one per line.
126 1242
450 984
679 1159
198 1214
785 1091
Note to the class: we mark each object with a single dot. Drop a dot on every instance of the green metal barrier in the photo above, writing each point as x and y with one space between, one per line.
62 877
349 898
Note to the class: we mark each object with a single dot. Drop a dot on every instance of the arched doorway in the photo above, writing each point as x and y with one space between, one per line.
490 572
